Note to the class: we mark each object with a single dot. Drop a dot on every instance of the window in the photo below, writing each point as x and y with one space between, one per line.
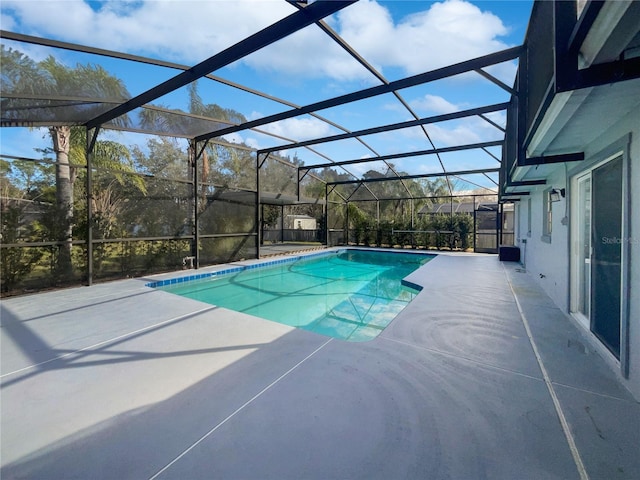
547 215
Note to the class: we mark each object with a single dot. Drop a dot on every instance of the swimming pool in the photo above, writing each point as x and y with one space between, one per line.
348 294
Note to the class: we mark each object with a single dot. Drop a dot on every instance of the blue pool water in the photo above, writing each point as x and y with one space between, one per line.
349 294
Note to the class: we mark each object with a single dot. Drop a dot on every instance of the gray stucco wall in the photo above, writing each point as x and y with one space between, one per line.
549 263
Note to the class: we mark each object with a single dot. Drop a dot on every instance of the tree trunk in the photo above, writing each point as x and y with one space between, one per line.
61 137
205 175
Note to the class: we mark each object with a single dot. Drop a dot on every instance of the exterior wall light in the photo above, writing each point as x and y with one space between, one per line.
556 194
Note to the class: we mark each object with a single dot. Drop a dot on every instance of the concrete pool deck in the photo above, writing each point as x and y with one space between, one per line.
480 377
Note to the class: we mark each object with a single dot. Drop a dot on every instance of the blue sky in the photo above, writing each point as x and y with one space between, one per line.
399 38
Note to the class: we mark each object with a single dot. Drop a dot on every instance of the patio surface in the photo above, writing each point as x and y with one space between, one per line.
121 381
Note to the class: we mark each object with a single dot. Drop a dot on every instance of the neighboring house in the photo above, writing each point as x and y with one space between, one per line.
300 222
27 214
571 165
296 228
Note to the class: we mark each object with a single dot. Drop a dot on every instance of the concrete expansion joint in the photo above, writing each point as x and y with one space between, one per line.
238 410
566 428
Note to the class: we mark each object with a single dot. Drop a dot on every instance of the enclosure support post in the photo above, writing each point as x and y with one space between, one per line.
282 223
475 231
258 216
261 226
500 224
300 178
195 230
413 223
326 214
196 215
92 135
347 223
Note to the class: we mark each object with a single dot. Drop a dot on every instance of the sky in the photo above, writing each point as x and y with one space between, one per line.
399 38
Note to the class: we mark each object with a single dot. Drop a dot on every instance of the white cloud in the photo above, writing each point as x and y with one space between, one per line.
186 31
369 27
308 53
459 132
360 169
505 72
434 104
427 168
254 115
298 129
446 33
458 135
233 138
253 143
7 22
497 117
37 53
190 31
455 132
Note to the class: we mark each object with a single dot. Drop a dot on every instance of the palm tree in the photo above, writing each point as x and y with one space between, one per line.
54 83
91 81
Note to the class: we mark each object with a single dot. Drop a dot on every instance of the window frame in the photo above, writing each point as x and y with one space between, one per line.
547 215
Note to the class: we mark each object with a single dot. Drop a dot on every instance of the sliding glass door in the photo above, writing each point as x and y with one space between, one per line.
597 251
606 261
582 253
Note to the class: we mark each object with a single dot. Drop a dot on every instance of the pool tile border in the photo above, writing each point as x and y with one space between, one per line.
267 263
226 271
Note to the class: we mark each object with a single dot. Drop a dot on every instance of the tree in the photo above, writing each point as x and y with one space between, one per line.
271 215
20 74
225 165
220 168
17 187
165 211
92 81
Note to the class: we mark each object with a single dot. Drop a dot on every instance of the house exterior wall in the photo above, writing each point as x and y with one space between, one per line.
549 262
627 131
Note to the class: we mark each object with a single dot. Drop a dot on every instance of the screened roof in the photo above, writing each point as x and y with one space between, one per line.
354 140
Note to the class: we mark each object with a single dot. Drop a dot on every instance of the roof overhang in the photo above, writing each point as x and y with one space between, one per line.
572 121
